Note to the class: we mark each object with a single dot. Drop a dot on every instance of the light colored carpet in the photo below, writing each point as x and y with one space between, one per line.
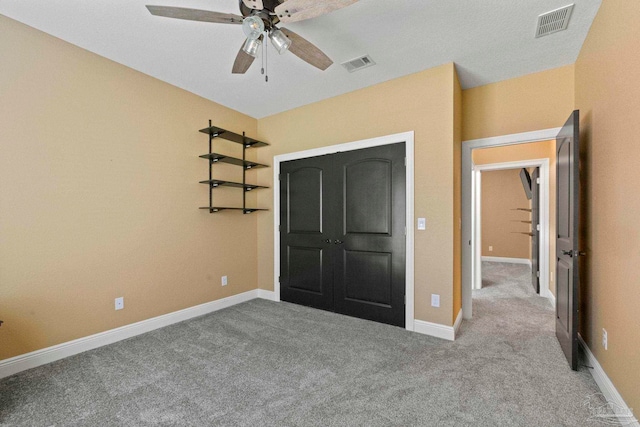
276 364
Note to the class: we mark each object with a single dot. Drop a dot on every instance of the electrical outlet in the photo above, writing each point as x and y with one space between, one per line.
422 223
224 281
604 338
435 300
552 276
119 303
490 248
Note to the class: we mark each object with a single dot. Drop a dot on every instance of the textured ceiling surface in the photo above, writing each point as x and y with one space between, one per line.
488 40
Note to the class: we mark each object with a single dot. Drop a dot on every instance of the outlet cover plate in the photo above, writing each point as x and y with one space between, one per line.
119 303
435 300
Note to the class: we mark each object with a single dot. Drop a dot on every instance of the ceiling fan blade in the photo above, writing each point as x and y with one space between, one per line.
253 4
298 10
243 62
307 51
195 14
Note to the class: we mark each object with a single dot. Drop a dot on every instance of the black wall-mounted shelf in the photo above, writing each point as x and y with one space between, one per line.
215 132
246 142
221 158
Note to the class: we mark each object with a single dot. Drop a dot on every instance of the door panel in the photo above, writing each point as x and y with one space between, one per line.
371 285
368 189
361 269
568 186
306 271
535 223
305 193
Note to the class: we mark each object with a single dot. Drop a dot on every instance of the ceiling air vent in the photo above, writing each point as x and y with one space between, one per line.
554 21
358 63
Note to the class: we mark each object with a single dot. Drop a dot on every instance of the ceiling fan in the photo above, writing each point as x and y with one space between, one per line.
259 20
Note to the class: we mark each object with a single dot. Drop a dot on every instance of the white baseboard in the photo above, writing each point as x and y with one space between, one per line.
550 297
457 323
435 330
268 295
607 388
509 260
51 354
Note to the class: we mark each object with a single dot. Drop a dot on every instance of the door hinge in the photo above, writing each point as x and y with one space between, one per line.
538 227
278 227
278 279
537 180
405 231
537 274
405 299
405 161
279 177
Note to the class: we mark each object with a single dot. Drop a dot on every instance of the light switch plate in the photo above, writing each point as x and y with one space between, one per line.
422 223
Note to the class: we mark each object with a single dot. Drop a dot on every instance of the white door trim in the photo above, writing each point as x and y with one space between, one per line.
408 139
467 203
545 238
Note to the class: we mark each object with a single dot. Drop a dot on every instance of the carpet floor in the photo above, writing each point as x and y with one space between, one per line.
263 363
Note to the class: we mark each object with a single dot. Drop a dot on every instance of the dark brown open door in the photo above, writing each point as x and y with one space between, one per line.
535 230
567 283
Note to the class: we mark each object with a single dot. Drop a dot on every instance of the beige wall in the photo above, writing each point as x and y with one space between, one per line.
99 196
423 102
537 101
522 152
608 96
502 194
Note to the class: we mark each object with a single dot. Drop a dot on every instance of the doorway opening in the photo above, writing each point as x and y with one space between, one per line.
517 212
471 267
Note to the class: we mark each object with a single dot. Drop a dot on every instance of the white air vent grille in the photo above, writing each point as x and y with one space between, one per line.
358 63
554 21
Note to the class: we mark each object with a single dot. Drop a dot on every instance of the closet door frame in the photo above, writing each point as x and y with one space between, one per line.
408 139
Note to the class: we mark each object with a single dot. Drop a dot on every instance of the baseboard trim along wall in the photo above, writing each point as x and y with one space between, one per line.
264 294
51 354
607 388
505 259
437 330
41 357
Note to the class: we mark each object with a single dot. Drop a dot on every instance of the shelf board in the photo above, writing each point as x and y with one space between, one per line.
214 209
219 183
233 137
221 158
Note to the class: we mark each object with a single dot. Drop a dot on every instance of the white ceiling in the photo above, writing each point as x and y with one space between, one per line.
489 40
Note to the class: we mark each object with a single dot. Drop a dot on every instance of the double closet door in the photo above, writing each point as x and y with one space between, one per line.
342 233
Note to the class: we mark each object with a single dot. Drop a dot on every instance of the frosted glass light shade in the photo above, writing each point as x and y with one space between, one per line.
280 41
253 27
251 46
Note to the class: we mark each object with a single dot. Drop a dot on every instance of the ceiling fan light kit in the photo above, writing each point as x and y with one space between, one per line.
253 27
280 41
260 16
251 46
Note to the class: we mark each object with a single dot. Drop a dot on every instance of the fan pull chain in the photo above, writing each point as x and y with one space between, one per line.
264 68
262 59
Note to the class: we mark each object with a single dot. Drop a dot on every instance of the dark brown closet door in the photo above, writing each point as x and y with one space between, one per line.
342 233
370 254
306 237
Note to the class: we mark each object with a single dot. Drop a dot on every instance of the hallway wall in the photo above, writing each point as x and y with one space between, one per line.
607 95
502 193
